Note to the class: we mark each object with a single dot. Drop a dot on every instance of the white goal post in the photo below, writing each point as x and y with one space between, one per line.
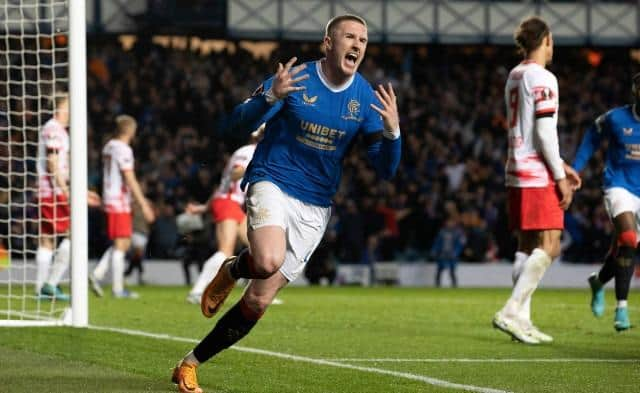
42 54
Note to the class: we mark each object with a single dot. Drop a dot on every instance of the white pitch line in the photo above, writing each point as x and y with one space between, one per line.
480 360
296 358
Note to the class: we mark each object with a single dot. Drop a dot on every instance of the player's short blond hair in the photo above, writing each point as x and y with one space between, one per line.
125 123
336 20
59 99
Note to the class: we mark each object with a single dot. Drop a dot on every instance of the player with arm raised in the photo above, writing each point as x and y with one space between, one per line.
119 182
227 213
536 177
294 174
621 128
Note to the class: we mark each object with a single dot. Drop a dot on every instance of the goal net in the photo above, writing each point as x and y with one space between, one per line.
34 72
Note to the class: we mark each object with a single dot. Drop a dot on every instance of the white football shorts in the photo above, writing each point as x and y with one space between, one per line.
303 223
618 200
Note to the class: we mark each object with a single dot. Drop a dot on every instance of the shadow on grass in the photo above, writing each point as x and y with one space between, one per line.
30 372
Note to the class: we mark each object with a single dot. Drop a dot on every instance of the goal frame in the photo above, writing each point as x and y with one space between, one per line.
78 140
77 315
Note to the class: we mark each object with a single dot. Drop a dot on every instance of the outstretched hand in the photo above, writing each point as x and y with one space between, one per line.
389 110
284 81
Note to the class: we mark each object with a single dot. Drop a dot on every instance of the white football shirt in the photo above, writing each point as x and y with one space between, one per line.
531 91
229 189
53 137
117 157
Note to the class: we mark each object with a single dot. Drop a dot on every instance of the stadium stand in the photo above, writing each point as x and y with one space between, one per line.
454 150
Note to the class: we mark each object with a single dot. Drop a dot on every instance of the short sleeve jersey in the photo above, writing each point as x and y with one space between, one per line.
117 157
228 188
53 139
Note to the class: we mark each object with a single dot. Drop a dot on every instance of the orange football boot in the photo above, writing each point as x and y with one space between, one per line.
218 290
184 375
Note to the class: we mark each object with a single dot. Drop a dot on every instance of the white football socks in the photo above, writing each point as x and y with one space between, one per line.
518 267
117 271
209 270
60 262
101 268
43 260
532 273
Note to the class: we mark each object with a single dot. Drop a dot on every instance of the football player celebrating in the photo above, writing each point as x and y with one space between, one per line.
294 174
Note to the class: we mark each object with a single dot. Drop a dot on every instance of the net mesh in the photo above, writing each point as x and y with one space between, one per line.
33 70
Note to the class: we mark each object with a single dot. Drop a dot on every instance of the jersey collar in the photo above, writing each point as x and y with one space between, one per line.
329 85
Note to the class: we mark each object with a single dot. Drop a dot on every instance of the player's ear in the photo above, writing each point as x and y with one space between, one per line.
327 43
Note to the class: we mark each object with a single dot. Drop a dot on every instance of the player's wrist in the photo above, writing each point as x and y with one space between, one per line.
560 175
270 96
392 134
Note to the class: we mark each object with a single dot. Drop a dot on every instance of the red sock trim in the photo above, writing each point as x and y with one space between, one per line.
628 238
248 312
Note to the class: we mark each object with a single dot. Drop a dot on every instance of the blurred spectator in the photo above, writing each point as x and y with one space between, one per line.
164 233
446 250
454 144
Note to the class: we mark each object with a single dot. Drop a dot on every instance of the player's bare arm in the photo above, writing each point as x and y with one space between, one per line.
389 110
196 208
134 186
93 199
237 172
285 80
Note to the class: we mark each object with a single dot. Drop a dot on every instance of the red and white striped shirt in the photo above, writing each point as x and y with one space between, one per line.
531 91
117 157
229 189
53 138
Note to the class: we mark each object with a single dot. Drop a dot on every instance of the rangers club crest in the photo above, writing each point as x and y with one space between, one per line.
354 110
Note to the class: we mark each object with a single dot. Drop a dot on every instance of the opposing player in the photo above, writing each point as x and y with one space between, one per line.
119 182
227 213
294 173
536 176
621 128
53 194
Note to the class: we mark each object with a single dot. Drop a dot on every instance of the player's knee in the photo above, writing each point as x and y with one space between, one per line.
627 239
267 264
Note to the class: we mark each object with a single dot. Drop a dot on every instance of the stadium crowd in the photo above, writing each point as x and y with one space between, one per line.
454 147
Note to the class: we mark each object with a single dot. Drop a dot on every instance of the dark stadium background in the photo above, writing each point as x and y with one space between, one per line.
178 70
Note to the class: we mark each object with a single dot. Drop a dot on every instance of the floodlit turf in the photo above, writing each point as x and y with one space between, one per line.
418 338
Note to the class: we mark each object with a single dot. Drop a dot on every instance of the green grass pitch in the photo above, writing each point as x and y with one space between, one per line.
333 340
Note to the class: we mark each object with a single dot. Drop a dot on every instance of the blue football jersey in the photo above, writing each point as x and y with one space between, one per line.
309 132
621 128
